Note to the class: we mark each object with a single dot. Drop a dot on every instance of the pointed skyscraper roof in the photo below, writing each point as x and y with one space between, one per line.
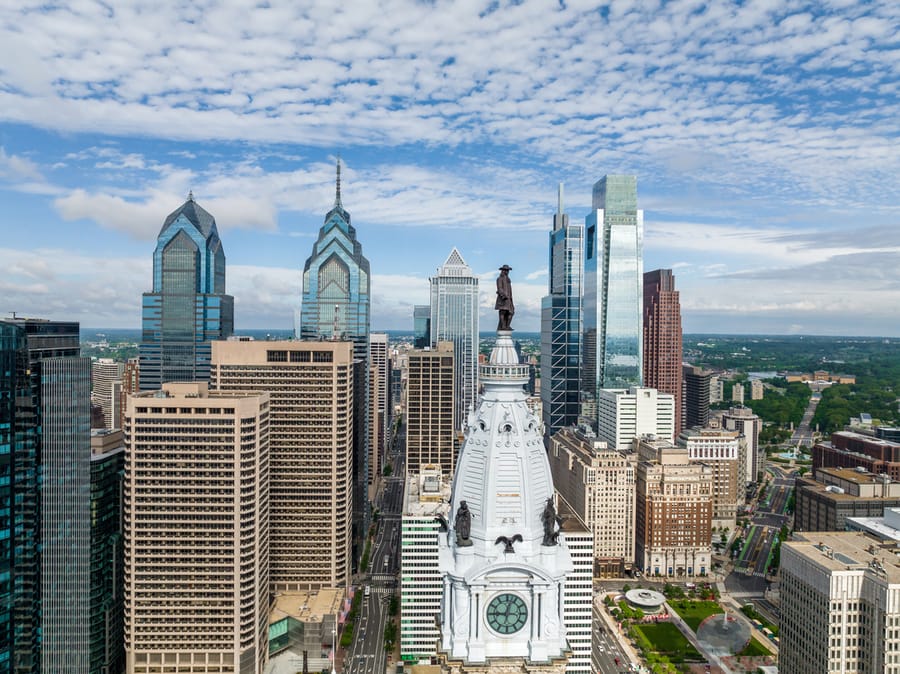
338 207
197 216
454 265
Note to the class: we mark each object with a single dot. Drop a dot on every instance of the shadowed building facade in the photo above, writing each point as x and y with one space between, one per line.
561 325
187 307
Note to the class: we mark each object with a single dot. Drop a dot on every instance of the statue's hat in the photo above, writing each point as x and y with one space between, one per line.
506 267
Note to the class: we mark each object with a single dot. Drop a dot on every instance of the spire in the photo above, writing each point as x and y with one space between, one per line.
190 195
337 189
559 207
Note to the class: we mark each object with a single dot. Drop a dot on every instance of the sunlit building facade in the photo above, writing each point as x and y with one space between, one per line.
613 286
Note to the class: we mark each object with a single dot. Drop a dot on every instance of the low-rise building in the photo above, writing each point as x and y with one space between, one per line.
825 501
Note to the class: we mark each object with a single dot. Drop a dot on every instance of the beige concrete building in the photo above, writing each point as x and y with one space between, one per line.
430 409
105 371
744 421
825 502
673 511
840 605
628 414
311 452
719 449
196 525
757 390
597 484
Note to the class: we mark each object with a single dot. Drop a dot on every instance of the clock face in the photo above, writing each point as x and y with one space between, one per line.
507 613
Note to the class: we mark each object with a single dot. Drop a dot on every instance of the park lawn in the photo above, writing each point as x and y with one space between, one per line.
695 612
665 638
754 648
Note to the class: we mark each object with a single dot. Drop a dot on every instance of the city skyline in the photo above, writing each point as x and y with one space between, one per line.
760 135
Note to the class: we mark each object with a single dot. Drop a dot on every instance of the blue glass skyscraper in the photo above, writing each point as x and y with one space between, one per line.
336 284
188 306
561 325
613 286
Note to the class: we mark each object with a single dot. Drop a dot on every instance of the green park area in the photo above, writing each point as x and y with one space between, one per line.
664 639
754 649
695 612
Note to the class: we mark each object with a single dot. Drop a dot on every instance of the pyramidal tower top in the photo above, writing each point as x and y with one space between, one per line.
503 557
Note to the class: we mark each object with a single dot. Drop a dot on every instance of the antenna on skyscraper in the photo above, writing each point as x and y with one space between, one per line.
559 208
337 189
190 195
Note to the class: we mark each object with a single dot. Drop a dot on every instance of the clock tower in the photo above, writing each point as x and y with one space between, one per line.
503 558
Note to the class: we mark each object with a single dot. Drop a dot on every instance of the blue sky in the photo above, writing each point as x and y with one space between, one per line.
764 136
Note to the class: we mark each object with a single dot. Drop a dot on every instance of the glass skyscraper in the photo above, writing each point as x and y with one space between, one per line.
454 318
188 306
20 504
421 326
613 286
561 325
335 306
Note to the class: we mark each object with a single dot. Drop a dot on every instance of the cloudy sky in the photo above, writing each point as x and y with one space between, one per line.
763 134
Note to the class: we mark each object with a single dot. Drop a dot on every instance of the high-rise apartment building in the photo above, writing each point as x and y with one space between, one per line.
662 337
695 396
561 325
613 286
454 318
748 424
430 407
20 503
104 373
421 326
757 389
716 389
673 511
427 497
737 393
840 605
719 449
188 307
597 484
628 414
107 617
129 384
311 391
197 527
379 398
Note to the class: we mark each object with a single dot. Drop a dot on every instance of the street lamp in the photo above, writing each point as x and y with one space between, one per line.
333 651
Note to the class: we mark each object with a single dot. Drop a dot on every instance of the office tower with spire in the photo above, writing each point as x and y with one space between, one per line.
662 337
188 307
613 286
335 306
561 325
454 318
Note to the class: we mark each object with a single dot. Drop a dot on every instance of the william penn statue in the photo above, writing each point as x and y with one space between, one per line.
504 301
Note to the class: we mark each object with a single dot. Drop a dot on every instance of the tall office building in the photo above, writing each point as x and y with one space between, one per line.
335 305
104 373
379 380
20 503
426 498
310 385
628 414
454 318
748 424
840 604
430 406
188 307
613 286
662 337
561 325
107 617
695 397
421 326
719 449
61 379
673 511
597 484
197 523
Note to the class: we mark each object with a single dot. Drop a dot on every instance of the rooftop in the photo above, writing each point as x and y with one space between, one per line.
307 607
849 551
